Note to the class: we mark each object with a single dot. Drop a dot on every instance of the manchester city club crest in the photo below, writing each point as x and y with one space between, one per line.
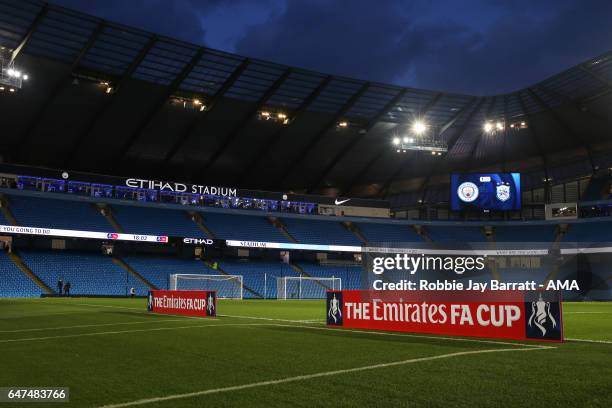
467 192
334 308
503 192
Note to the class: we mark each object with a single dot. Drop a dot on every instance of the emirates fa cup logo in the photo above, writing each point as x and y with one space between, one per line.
541 315
335 309
210 304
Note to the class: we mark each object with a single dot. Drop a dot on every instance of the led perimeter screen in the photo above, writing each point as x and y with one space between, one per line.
486 191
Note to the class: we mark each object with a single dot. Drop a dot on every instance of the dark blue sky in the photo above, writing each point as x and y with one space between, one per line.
476 47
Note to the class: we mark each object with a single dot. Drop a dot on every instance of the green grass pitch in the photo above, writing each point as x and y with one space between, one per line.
110 352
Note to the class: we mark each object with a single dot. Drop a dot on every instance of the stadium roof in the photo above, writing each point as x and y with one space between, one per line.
116 100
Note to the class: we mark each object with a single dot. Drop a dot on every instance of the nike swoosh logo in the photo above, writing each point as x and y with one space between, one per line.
341 202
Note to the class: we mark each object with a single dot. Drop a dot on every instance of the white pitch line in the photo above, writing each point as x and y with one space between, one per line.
130 331
590 341
90 325
340 330
311 376
271 319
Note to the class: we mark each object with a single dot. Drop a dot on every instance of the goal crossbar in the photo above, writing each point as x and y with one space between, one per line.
305 287
227 286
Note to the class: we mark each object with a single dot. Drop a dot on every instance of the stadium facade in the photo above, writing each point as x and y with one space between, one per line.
127 157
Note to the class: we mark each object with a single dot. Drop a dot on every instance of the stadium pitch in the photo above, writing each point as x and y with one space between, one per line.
112 353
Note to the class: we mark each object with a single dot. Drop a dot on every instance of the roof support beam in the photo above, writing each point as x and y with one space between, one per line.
26 137
455 138
356 139
566 128
109 100
477 143
28 34
227 140
159 104
211 103
365 170
330 125
505 134
534 136
280 132
383 189
598 77
577 105
384 149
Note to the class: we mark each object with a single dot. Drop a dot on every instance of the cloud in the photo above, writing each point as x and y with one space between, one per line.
478 47
179 19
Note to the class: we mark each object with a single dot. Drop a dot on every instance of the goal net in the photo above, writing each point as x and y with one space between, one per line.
301 287
227 286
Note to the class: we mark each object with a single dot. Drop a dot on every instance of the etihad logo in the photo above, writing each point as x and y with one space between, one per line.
197 241
340 202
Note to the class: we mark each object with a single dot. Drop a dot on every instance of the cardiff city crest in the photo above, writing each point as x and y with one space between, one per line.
467 192
503 192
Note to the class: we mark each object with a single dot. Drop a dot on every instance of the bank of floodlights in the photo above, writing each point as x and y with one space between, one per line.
11 78
420 139
491 127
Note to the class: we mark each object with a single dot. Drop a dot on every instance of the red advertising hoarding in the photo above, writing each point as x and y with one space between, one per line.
517 315
201 303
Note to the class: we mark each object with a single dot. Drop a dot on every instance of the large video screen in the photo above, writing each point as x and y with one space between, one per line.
486 191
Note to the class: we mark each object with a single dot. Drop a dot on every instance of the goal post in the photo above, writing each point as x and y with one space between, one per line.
306 287
227 286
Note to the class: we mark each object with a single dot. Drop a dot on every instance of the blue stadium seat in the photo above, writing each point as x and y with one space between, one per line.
382 233
157 269
589 232
320 232
155 221
3 220
443 233
525 233
242 227
88 273
13 282
60 214
258 275
350 275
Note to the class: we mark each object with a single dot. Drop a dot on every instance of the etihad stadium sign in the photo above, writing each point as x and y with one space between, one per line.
181 188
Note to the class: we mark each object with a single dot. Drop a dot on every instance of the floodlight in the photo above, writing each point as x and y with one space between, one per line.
418 127
396 141
488 127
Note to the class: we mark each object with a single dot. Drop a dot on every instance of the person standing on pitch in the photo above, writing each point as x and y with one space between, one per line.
67 288
132 292
60 286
